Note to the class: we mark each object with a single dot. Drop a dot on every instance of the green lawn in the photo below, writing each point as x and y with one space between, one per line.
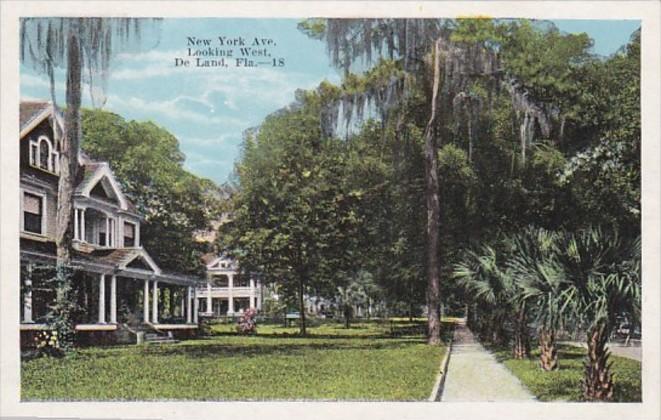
367 362
565 383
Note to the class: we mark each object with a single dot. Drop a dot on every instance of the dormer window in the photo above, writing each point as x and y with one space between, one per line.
44 156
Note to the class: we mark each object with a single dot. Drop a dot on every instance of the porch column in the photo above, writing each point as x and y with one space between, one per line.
27 297
188 305
252 293
154 310
209 302
196 305
145 309
107 231
259 296
76 230
102 299
182 312
230 294
113 299
82 225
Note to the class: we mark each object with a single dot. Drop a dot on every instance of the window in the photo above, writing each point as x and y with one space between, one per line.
33 213
34 153
43 155
129 234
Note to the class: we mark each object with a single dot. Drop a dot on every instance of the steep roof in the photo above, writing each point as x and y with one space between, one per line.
90 169
30 110
209 257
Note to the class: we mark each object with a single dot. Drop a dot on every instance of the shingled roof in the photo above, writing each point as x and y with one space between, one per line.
29 110
89 170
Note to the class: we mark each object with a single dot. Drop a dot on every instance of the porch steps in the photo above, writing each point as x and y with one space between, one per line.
150 334
154 338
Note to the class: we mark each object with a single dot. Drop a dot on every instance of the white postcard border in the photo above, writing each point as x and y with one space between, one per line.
647 11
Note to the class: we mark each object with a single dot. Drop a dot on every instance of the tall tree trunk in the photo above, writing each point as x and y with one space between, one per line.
301 304
433 209
69 152
548 358
598 380
521 347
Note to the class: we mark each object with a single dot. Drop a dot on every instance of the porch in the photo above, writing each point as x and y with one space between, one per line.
112 289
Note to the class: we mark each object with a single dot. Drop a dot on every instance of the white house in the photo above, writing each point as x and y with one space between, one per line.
227 291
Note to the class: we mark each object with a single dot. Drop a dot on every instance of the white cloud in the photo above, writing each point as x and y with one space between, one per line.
147 56
30 80
171 110
227 139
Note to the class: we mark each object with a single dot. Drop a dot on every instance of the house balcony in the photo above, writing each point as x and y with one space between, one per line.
225 292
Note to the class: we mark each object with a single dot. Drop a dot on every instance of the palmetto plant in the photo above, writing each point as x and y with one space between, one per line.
604 272
538 272
485 282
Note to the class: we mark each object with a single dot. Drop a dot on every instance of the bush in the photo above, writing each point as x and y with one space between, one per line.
247 323
46 343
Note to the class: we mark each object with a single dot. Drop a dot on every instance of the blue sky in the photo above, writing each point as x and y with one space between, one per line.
208 109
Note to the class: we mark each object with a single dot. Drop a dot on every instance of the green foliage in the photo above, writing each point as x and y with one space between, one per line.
55 283
546 61
604 274
360 291
314 28
360 363
294 217
534 263
605 174
565 384
148 163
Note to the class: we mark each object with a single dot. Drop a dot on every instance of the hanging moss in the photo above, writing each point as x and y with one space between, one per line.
43 45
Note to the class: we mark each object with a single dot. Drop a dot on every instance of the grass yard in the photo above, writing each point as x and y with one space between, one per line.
370 361
565 383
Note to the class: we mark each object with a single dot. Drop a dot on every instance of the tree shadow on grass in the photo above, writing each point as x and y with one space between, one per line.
394 329
263 349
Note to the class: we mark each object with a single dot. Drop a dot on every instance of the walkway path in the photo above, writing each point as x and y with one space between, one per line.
630 352
474 374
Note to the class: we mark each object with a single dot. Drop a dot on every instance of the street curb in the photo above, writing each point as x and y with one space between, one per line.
437 390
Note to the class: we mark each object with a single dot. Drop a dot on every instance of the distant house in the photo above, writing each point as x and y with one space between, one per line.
117 280
227 291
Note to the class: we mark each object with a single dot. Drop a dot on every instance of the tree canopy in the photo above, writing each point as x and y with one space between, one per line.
149 164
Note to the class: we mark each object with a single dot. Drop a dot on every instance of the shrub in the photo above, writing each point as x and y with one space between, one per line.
46 343
247 323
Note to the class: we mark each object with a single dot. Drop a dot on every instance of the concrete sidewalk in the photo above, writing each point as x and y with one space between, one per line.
630 352
474 374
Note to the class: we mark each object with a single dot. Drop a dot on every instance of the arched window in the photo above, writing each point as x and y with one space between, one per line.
43 155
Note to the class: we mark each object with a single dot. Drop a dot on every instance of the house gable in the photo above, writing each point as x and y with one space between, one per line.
32 114
141 261
221 263
104 191
100 182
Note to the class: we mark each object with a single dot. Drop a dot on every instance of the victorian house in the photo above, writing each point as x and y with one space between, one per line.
227 291
118 285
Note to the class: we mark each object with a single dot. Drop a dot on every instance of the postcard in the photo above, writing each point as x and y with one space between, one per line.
378 209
